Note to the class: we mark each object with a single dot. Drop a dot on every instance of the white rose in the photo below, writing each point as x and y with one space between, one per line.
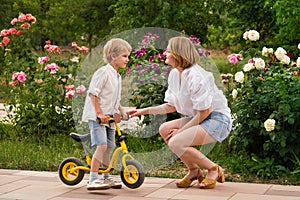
270 50
299 46
234 93
286 60
253 35
264 52
245 35
269 124
267 51
280 53
248 67
259 63
239 77
298 62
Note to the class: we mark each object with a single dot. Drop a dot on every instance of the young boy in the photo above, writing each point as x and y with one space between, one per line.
103 99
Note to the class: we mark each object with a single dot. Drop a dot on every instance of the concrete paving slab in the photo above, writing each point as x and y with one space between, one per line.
32 185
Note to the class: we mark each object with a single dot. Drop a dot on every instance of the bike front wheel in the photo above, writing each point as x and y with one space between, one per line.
64 171
133 175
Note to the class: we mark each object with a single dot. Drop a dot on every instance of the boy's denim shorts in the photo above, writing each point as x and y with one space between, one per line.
217 125
101 134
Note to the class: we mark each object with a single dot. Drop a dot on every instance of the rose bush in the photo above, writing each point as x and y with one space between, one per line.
149 73
264 95
40 86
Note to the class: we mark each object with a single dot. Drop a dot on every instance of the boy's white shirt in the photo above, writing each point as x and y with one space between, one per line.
106 85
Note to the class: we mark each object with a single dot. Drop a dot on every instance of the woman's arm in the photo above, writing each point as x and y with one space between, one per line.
197 119
161 109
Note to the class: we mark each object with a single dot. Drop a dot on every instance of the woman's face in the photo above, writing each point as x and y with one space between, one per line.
170 60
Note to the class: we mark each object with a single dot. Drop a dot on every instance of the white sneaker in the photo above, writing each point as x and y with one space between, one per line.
97 185
112 183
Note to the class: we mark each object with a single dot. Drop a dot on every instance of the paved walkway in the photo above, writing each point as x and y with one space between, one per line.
34 185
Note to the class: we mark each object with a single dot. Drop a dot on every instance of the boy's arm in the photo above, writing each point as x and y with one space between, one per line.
98 110
124 114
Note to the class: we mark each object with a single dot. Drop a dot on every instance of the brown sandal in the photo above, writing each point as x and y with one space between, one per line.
211 183
186 182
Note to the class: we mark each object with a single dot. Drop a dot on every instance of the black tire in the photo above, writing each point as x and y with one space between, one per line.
67 177
134 177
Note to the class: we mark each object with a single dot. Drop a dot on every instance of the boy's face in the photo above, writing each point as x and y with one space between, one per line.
121 60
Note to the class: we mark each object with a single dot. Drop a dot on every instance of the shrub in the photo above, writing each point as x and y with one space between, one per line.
40 87
264 96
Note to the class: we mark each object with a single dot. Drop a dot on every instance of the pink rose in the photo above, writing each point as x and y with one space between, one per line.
22 77
232 59
25 26
22 17
19 32
30 18
4 33
14 83
251 61
14 21
5 40
13 31
18 77
75 59
74 44
42 60
53 68
80 89
69 88
70 94
84 49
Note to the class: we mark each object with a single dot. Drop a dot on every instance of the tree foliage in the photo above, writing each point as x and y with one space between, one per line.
288 19
220 23
191 16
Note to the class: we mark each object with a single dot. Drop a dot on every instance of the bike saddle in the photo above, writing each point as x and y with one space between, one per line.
80 138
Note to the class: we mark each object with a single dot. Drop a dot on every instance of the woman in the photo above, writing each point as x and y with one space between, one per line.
193 93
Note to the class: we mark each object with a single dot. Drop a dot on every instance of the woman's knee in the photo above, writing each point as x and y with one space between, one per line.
163 130
175 145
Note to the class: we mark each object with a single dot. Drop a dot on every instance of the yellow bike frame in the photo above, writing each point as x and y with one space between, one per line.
114 159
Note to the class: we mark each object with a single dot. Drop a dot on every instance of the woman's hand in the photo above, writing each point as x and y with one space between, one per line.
171 134
136 112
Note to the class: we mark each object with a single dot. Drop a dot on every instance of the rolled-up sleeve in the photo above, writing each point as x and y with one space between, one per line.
97 83
169 97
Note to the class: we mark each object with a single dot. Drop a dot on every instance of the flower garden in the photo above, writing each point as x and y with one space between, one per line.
262 87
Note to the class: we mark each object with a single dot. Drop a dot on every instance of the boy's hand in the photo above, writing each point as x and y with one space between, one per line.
103 118
125 116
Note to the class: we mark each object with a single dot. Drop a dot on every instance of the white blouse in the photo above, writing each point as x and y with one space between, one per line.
106 85
195 91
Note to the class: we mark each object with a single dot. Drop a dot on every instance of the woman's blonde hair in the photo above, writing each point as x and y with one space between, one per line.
115 46
184 51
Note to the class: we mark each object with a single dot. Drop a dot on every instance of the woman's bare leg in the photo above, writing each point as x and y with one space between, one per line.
164 132
182 145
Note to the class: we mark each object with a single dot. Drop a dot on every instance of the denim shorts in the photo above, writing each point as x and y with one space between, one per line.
217 125
101 134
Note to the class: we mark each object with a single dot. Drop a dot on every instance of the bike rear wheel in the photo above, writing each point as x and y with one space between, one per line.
133 176
64 171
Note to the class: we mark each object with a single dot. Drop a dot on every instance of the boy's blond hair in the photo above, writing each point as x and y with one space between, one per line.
184 51
115 46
